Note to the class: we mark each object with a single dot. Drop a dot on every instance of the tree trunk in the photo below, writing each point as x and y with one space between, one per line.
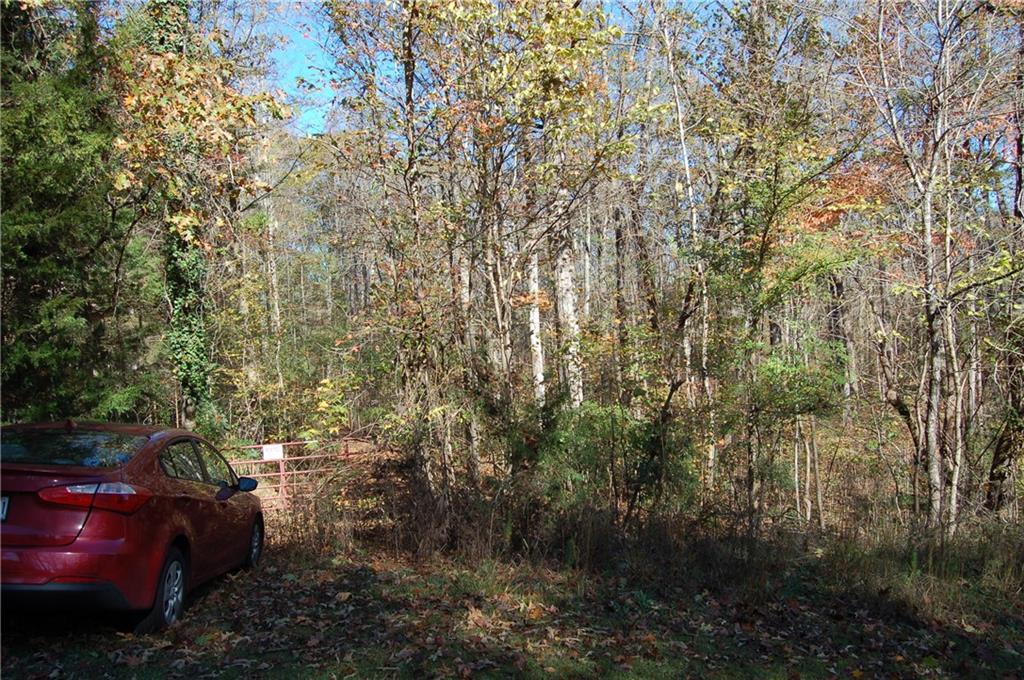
709 402
499 340
839 333
587 265
937 367
1018 121
566 291
621 311
813 451
958 427
273 288
536 348
465 281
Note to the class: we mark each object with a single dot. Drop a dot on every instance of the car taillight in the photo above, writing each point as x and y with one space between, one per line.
116 496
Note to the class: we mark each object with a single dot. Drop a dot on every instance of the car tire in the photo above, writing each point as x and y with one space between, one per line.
255 549
169 603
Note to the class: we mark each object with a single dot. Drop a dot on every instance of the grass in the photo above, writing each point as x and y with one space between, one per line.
372 613
335 600
973 578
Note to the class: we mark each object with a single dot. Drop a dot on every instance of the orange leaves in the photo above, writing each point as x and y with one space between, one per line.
181 111
862 187
535 612
541 299
185 136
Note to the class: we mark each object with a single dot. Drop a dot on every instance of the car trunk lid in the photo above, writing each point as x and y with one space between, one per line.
31 521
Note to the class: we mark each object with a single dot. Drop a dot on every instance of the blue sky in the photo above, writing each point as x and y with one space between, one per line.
303 56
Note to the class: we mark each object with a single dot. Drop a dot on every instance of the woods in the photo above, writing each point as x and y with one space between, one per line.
607 275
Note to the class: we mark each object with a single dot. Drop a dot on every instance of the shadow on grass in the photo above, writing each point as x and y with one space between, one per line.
380 616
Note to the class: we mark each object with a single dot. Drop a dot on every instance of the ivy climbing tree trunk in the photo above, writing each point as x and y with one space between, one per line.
184 135
185 270
184 259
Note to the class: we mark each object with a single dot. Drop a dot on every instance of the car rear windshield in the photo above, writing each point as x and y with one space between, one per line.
88 448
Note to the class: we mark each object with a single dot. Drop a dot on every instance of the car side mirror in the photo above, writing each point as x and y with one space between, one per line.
247 484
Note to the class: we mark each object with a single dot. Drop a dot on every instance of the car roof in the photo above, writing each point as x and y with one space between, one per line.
135 429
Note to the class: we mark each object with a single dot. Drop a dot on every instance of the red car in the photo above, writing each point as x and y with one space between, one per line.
125 517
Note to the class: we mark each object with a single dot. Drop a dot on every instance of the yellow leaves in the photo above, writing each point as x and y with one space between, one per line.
182 111
185 224
191 92
123 181
278 110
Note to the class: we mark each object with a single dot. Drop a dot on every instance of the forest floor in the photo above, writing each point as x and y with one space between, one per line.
367 614
374 612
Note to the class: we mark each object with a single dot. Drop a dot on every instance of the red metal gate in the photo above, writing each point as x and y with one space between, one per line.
305 469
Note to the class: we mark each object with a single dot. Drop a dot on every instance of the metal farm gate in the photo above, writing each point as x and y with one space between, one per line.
293 471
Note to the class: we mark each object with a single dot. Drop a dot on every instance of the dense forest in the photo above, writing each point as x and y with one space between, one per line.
601 272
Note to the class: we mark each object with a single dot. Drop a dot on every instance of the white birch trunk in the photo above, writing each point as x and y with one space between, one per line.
536 347
566 291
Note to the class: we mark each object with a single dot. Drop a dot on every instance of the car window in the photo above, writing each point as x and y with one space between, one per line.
89 448
217 469
179 460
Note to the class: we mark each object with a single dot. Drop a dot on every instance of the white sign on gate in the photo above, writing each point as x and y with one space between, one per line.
273 451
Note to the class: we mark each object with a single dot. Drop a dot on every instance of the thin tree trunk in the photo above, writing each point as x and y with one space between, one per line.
1018 122
808 502
957 386
936 363
709 403
838 333
586 264
536 347
621 340
500 340
302 293
817 475
273 289
796 469
566 290
691 205
465 307
958 427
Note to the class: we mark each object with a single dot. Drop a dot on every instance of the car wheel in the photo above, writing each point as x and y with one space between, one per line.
170 594
252 557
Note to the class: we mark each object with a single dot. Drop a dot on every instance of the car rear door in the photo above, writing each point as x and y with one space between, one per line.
194 498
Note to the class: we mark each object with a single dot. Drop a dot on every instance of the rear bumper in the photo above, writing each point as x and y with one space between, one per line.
101 572
99 595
